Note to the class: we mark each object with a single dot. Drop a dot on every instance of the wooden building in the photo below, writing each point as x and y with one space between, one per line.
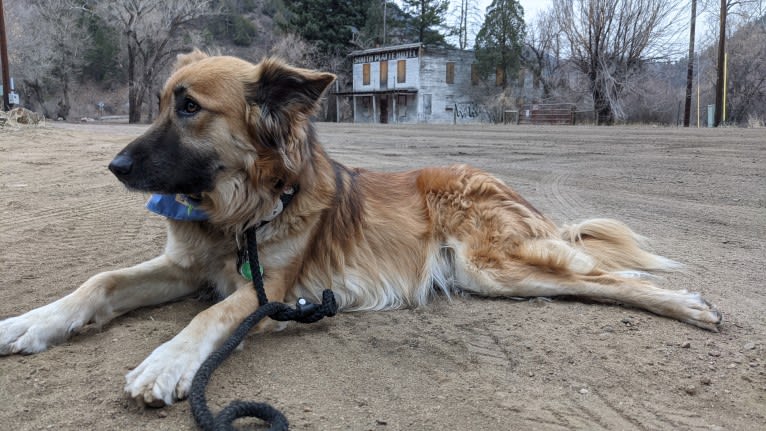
413 83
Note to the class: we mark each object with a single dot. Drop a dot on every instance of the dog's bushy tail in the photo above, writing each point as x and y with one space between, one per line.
615 247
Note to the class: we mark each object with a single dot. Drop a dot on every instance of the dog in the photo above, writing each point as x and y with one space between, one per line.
233 138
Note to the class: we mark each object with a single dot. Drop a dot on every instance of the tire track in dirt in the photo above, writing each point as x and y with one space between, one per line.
656 208
603 412
484 346
594 411
40 217
566 413
557 190
33 264
673 419
72 237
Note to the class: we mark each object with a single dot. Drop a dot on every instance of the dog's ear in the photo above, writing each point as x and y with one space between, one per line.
189 58
281 99
278 87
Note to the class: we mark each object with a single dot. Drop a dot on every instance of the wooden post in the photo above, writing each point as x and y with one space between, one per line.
374 109
721 60
4 60
396 120
337 103
690 67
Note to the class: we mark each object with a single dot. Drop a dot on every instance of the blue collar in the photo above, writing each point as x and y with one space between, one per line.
177 207
186 208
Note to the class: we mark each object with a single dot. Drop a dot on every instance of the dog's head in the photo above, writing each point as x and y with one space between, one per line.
224 122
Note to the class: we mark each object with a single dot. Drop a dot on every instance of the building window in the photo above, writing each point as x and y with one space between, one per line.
366 74
401 71
427 104
450 72
384 74
474 74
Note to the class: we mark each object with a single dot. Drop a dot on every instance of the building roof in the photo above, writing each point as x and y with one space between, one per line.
372 92
385 49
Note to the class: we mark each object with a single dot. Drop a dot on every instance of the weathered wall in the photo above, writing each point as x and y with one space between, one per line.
435 100
443 96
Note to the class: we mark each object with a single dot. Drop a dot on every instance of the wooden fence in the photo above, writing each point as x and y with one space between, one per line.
547 113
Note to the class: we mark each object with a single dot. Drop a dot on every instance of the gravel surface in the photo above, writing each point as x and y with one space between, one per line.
468 364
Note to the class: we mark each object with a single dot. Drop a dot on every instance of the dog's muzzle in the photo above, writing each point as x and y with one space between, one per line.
121 165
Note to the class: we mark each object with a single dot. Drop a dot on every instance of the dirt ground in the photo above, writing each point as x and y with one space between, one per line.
469 364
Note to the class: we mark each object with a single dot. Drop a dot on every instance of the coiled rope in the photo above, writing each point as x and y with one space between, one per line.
304 312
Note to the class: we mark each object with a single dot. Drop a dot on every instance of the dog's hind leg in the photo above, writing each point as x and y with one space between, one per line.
98 300
551 267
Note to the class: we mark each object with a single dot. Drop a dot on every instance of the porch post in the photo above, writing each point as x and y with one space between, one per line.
374 109
396 117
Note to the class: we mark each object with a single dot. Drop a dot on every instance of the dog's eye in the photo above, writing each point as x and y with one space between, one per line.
189 108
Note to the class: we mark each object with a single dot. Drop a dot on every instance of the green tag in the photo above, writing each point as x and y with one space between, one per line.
245 271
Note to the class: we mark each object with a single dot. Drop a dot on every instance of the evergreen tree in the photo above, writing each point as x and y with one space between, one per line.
101 56
499 42
328 23
231 24
399 26
427 14
375 26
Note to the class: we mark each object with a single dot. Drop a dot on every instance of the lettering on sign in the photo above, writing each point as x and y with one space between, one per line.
385 56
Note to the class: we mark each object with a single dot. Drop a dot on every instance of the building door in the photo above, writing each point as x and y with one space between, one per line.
384 109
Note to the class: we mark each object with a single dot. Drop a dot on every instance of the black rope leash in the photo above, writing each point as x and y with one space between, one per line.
304 312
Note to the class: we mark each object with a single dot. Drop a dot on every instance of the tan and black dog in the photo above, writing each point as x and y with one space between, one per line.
235 136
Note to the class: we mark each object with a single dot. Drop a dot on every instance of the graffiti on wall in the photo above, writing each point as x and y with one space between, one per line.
468 110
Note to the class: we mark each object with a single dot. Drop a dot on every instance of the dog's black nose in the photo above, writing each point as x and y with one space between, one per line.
121 165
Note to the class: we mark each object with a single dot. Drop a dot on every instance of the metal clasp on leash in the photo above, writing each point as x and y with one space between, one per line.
304 307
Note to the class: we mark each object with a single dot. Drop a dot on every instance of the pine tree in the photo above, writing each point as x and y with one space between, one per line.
327 23
427 14
499 42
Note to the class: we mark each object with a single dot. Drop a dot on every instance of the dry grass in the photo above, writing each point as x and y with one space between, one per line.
20 117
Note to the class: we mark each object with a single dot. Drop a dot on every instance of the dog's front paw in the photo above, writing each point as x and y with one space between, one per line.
37 330
166 375
699 312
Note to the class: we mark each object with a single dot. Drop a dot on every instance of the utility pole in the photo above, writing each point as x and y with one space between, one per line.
4 60
690 67
721 62
385 20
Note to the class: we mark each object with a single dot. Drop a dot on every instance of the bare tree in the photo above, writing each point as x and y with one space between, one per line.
610 40
746 88
465 17
49 59
542 52
748 7
25 55
153 32
655 100
296 51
